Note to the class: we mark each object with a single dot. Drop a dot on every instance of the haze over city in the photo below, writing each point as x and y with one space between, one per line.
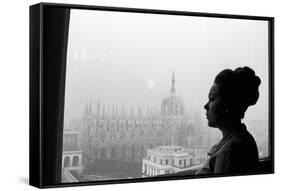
128 61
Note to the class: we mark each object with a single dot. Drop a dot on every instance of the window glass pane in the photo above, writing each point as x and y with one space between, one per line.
136 86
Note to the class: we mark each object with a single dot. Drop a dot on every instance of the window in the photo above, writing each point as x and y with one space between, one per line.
92 62
75 161
145 169
66 162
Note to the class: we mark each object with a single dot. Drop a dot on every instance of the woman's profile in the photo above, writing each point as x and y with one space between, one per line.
232 92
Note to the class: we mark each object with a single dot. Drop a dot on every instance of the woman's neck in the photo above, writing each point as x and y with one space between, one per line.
229 127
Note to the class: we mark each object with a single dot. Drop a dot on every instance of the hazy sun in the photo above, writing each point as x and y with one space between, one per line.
150 83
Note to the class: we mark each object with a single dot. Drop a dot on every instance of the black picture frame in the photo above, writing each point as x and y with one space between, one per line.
48 48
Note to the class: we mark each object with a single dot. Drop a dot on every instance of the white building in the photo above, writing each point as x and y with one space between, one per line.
71 157
169 159
72 160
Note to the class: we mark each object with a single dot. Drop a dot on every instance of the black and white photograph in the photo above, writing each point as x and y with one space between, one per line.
127 95
160 95
149 95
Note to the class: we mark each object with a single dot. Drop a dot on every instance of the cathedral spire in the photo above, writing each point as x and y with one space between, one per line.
98 107
103 110
90 108
132 111
86 112
173 89
139 112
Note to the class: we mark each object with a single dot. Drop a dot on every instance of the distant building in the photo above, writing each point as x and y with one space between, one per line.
71 157
169 159
72 160
112 133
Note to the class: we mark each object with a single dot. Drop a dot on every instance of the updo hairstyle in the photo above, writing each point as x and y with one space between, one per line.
238 89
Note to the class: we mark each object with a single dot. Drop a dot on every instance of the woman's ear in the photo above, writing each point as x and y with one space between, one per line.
229 111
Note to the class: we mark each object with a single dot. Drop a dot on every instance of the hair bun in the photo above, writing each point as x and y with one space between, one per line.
248 85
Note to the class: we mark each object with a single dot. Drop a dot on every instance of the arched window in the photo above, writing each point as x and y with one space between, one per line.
66 162
75 161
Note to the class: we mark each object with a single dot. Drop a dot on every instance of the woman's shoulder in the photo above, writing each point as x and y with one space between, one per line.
240 140
243 141
242 136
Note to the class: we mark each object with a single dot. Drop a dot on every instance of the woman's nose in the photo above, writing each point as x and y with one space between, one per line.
206 106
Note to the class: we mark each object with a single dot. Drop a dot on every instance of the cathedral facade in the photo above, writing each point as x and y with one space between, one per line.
126 136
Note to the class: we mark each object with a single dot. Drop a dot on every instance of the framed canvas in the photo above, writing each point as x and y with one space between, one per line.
122 95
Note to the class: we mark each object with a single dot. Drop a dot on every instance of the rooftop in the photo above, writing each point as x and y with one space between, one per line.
169 150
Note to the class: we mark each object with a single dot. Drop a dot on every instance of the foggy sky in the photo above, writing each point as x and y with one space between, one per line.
127 59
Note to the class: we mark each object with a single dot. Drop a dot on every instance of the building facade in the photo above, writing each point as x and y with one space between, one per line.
71 157
170 159
116 134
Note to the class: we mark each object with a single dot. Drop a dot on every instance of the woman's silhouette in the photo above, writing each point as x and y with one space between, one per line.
230 95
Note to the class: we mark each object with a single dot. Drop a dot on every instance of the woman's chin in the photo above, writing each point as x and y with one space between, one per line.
210 124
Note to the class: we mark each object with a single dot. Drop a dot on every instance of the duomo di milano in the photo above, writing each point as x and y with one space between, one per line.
127 136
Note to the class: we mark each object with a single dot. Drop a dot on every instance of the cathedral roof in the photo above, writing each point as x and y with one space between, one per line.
171 103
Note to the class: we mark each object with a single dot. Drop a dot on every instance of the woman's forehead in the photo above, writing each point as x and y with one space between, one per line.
214 89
